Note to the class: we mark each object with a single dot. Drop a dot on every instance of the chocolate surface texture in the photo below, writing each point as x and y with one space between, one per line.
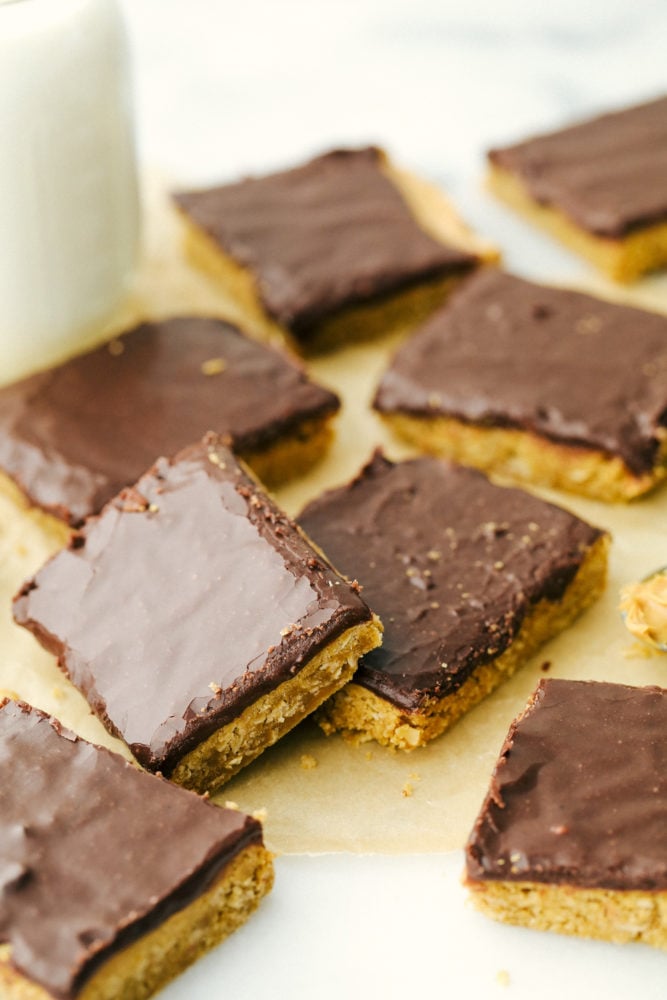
579 795
333 233
72 437
189 597
450 563
93 852
609 174
508 353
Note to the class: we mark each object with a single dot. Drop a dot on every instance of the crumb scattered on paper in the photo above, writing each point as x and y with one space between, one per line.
308 762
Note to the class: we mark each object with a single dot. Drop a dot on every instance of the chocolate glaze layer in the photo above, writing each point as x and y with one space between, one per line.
73 436
450 563
332 233
190 596
579 794
94 853
572 368
607 174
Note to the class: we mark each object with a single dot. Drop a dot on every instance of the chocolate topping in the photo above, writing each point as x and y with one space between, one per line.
507 353
190 596
579 794
93 852
450 563
332 233
72 437
609 174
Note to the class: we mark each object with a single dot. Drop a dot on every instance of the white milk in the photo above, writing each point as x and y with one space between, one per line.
68 193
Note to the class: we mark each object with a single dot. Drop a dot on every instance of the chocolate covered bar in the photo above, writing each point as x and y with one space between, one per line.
572 836
599 186
541 384
468 578
196 619
339 249
112 881
72 437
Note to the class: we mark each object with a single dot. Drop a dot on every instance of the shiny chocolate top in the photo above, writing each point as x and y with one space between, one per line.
450 563
190 596
609 175
72 437
93 852
572 368
579 794
332 233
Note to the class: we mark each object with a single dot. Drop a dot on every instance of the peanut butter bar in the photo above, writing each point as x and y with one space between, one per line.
112 881
339 249
468 578
72 437
543 385
599 186
196 619
572 836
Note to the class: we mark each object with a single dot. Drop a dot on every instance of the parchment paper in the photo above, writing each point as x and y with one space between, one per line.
323 794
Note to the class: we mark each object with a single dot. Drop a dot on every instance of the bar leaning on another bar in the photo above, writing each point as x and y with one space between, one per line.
342 248
113 880
572 836
196 619
543 385
468 578
598 186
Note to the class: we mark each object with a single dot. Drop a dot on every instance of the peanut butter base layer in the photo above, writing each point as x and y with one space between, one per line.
360 714
261 724
158 957
293 455
624 259
607 914
527 458
382 315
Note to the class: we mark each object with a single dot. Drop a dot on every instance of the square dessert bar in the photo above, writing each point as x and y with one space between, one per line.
541 384
468 578
572 836
196 619
112 880
72 437
335 250
598 186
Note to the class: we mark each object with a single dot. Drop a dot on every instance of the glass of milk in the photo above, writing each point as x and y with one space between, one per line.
69 216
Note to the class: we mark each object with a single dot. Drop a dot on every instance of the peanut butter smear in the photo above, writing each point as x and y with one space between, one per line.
644 608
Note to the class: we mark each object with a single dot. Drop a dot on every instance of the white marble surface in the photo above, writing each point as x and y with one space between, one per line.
227 88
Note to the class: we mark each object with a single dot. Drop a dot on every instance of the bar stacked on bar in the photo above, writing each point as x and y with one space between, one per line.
196 619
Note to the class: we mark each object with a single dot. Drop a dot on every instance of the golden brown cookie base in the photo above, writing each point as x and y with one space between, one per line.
261 724
608 914
624 259
404 309
158 957
358 713
293 455
527 458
